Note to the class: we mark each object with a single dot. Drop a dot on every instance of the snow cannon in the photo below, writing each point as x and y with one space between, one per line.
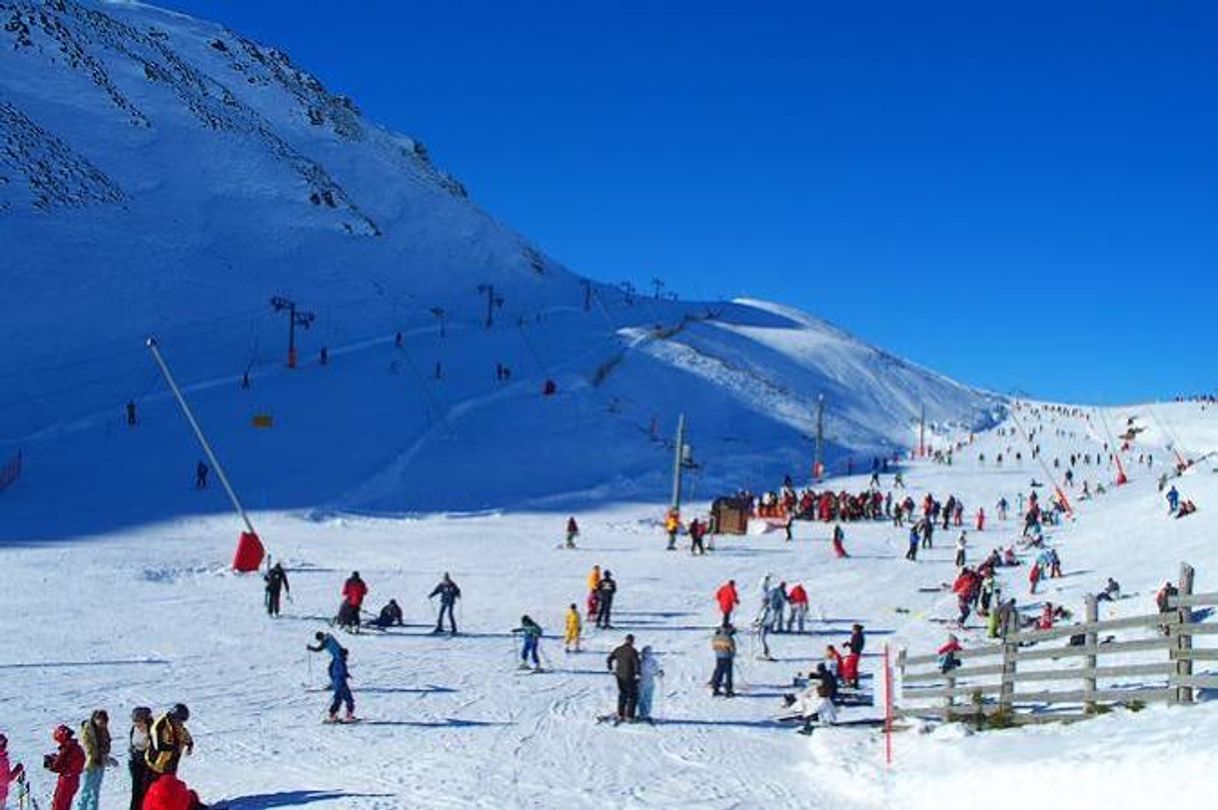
249 553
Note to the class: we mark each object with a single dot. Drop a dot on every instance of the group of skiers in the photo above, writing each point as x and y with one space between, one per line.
155 747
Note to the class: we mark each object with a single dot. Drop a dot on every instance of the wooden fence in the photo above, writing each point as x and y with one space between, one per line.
1155 664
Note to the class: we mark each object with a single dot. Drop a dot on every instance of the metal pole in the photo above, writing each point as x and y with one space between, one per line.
190 417
818 463
922 434
676 464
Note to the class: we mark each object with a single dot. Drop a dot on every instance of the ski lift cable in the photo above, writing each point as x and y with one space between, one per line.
528 344
426 391
1045 467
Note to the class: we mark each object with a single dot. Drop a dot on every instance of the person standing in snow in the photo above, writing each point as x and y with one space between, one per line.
961 543
137 751
531 633
624 663
572 531
354 591
672 525
95 739
605 592
912 553
649 670
276 581
798 597
168 741
572 630
728 599
778 603
9 773
449 593
839 538
340 676
724 645
67 762
1173 500
131 413
948 660
200 475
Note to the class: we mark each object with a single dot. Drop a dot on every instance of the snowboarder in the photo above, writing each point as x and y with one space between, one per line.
168 740
200 475
571 633
354 591
9 773
724 645
531 634
624 663
798 597
276 580
449 593
839 536
390 616
572 531
605 591
95 739
67 762
137 751
649 670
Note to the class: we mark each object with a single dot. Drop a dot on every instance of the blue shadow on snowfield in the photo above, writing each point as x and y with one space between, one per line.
293 798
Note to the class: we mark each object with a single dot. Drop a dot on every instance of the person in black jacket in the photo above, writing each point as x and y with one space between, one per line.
626 659
449 593
276 581
390 616
604 599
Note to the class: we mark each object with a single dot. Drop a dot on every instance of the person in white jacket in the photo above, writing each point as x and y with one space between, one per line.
649 670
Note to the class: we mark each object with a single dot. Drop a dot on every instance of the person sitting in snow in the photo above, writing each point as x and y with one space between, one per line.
390 616
1111 592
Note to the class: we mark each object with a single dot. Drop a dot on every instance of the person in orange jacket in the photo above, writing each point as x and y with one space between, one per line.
68 762
727 598
594 582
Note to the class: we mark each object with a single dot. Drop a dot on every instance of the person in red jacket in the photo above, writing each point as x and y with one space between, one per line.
1033 577
727 598
839 537
354 591
68 762
947 654
1046 618
171 793
798 598
980 520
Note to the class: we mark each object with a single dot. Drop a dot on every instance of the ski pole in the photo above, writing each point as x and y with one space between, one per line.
309 660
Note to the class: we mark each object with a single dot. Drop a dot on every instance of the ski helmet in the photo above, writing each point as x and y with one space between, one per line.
180 713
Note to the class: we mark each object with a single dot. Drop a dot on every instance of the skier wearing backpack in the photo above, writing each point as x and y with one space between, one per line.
67 763
449 593
531 633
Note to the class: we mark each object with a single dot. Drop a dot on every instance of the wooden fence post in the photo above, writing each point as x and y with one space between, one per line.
1010 651
1090 662
1183 636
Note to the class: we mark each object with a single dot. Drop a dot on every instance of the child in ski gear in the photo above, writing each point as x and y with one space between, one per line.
912 553
572 531
339 677
68 761
724 645
449 593
649 670
572 630
95 739
798 597
624 663
947 654
171 793
276 580
168 740
833 660
137 751
605 591
727 598
531 632
390 616
9 773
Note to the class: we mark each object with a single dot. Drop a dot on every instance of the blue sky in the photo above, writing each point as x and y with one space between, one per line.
1022 196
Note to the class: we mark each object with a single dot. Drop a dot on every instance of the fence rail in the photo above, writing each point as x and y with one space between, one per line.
989 689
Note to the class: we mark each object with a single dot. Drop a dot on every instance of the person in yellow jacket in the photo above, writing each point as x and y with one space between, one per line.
594 578
168 740
672 525
574 627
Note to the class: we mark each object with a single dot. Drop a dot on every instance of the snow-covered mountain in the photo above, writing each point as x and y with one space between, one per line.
163 175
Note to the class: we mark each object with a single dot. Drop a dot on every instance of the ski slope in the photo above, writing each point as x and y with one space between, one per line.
152 615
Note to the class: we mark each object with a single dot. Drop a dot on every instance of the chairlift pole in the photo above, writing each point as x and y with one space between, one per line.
818 462
678 458
194 424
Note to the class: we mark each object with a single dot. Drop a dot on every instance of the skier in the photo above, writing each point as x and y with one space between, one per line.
697 530
131 413
449 593
339 677
624 663
572 630
912 553
572 531
200 475
168 740
605 591
1173 500
727 598
961 543
68 761
594 581
778 602
137 751
9 773
798 597
95 739
354 591
531 633
724 645
839 536
390 616
276 580
649 670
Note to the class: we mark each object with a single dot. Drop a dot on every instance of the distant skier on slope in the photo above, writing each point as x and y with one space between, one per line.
728 599
572 630
605 592
531 634
623 662
449 593
354 591
276 581
572 531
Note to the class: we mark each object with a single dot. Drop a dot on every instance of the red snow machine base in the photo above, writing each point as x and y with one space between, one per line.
249 553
